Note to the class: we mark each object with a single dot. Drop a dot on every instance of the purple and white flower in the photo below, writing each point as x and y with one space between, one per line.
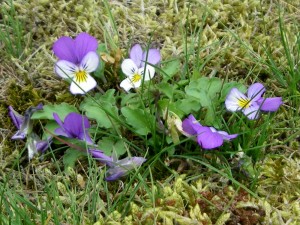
252 103
77 59
207 137
22 123
117 168
74 126
136 70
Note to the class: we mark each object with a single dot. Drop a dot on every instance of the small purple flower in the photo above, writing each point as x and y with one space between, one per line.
74 126
117 168
22 123
35 145
77 59
134 68
251 104
207 137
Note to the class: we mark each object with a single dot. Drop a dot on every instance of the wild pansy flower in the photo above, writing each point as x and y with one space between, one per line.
77 59
74 126
23 123
36 145
207 137
253 102
117 168
136 70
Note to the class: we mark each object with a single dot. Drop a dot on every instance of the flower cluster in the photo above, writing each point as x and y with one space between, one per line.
76 126
78 58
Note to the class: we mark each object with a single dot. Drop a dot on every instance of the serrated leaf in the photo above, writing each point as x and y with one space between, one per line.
62 110
71 156
139 119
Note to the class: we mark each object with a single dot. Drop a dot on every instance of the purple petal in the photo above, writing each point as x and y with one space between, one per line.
123 166
190 125
61 132
42 146
39 106
252 112
64 49
153 56
226 136
136 55
73 123
77 126
86 137
16 117
255 91
58 120
100 156
19 135
84 43
114 174
270 104
208 139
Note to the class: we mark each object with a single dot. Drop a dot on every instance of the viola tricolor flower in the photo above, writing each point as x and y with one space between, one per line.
117 168
136 70
23 123
207 137
74 126
77 59
253 102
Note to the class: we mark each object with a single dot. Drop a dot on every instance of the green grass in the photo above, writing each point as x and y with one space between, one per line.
242 182
12 32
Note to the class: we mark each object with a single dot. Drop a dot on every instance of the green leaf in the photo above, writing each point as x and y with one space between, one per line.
170 69
228 86
62 110
111 145
166 104
139 119
103 110
167 89
50 126
188 105
71 156
205 89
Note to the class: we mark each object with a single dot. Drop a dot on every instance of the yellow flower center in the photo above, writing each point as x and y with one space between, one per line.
80 76
136 77
244 103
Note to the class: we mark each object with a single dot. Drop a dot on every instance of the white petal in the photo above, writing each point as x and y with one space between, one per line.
65 69
128 67
90 62
83 87
127 84
232 100
252 112
149 74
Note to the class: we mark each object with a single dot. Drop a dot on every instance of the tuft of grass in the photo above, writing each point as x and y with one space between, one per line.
12 32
